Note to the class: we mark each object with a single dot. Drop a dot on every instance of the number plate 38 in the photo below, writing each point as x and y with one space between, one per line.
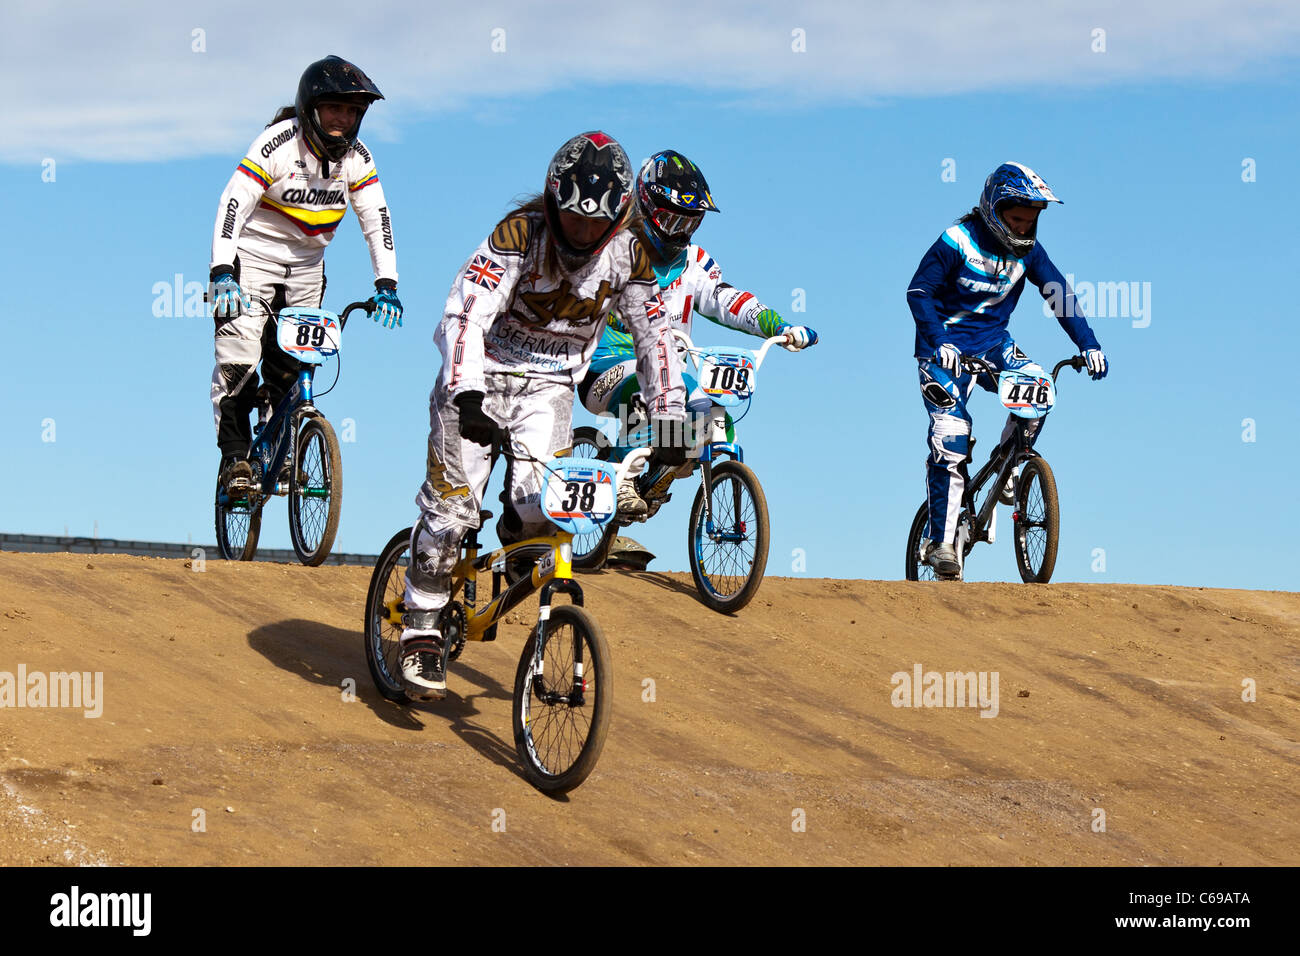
309 335
1025 394
580 494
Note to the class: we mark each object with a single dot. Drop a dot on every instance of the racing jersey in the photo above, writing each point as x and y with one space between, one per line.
693 283
279 206
965 290
507 313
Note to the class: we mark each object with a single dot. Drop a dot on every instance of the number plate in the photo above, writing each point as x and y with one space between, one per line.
580 494
310 335
1026 394
727 375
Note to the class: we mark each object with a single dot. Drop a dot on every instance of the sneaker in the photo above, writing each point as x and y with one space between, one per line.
630 504
1008 495
422 666
236 477
943 558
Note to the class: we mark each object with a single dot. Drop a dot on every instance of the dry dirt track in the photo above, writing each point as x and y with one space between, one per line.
222 689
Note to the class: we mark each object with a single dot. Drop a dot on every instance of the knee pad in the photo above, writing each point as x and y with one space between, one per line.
949 439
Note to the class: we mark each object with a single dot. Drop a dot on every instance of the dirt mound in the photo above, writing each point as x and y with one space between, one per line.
1117 732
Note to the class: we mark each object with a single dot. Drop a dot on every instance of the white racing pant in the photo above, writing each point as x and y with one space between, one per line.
240 342
538 414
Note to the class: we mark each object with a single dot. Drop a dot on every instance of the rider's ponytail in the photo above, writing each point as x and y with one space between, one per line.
282 114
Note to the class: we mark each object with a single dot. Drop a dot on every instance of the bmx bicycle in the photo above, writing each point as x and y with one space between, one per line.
563 684
294 451
1027 394
728 531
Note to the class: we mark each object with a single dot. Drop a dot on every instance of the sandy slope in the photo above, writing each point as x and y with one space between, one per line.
222 693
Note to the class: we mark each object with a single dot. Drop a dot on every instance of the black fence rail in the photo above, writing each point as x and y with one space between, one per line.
46 543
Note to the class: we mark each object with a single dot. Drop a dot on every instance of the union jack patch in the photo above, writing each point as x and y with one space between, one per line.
654 307
485 272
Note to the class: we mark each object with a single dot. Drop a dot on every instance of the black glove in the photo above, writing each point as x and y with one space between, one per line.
474 425
668 447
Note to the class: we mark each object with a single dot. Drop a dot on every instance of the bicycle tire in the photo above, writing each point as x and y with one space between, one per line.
554 761
237 528
591 550
915 569
382 637
1037 522
727 593
317 471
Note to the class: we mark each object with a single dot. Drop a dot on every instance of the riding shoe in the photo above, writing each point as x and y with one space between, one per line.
236 477
630 504
943 558
422 667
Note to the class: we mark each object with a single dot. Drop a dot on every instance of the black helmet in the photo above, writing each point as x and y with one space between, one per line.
672 197
326 79
591 176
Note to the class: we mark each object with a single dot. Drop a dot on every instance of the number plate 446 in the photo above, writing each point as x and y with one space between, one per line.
1026 395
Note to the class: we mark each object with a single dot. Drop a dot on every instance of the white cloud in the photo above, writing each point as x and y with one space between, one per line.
122 82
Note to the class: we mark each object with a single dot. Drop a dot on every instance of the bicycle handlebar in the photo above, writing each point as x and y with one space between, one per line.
781 339
975 365
504 445
368 305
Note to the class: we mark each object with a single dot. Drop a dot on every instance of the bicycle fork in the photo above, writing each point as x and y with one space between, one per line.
548 696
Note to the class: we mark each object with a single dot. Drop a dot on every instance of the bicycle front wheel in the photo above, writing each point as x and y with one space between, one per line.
383 637
239 523
563 700
591 550
1036 522
915 568
315 491
728 562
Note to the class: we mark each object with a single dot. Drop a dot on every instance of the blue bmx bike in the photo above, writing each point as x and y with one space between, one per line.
294 451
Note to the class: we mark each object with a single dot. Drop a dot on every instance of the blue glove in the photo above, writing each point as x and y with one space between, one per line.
388 307
800 337
228 300
949 358
1097 365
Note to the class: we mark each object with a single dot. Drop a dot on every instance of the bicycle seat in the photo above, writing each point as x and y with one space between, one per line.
483 516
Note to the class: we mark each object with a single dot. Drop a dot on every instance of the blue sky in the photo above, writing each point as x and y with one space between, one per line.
1175 151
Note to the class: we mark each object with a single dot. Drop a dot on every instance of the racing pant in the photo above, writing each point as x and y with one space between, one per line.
945 397
538 414
244 340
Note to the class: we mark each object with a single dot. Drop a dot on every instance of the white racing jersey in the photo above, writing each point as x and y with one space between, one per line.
698 288
279 207
507 315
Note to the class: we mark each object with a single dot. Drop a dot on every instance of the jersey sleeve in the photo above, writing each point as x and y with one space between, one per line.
937 266
480 292
252 177
1042 272
657 365
726 305
367 199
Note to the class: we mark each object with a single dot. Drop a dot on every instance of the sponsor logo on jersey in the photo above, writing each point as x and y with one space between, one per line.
228 224
278 140
977 286
561 305
605 383
483 271
510 237
314 197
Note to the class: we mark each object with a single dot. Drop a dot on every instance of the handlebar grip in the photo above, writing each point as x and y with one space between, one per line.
368 305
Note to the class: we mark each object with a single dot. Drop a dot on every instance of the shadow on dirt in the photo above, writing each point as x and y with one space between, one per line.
326 655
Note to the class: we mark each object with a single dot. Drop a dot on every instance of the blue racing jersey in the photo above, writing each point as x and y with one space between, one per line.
966 288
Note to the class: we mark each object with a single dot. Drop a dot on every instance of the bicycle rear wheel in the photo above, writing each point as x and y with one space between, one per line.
382 636
728 564
563 700
1036 522
591 550
915 568
238 524
315 491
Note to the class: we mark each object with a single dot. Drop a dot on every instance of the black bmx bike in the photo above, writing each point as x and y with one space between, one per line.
1015 474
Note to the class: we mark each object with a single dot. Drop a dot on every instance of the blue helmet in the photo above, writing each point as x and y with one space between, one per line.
1013 184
